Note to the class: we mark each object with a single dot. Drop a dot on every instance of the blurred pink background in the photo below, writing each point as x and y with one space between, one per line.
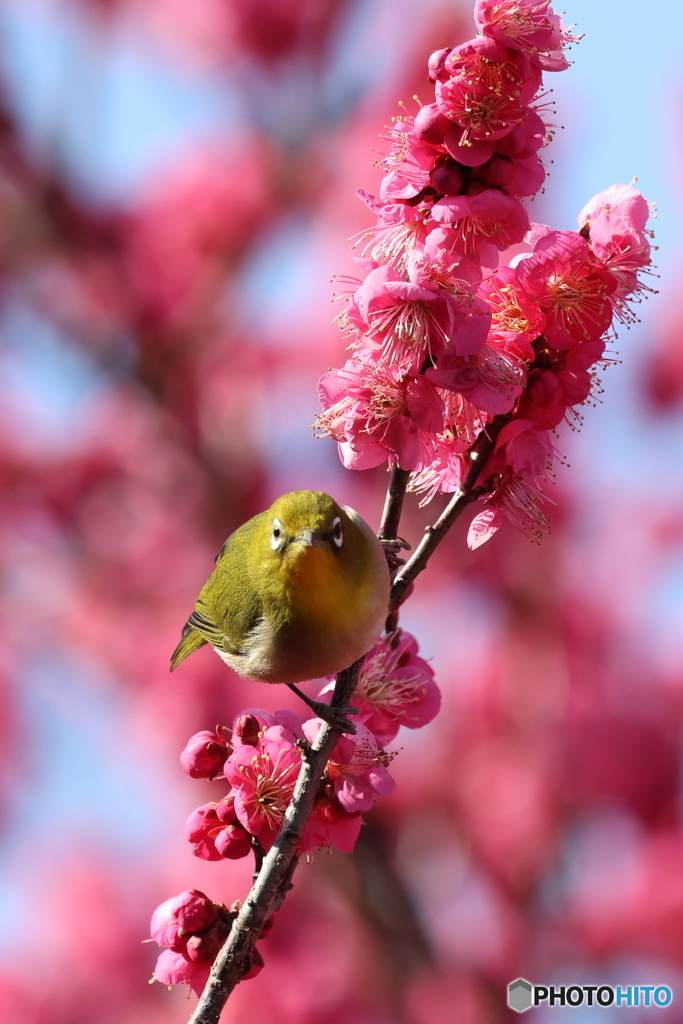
177 184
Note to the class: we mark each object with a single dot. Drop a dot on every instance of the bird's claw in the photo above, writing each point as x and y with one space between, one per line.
336 717
392 546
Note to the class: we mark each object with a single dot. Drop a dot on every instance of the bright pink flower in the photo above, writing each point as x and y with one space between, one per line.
436 64
200 827
492 379
484 222
263 780
514 314
330 825
520 502
527 25
214 831
483 114
396 687
406 321
494 67
571 286
527 450
356 768
251 723
616 220
205 754
443 473
373 417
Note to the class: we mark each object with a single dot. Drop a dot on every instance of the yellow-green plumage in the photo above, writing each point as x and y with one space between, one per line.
298 592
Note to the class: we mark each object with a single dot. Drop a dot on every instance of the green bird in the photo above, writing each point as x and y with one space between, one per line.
299 592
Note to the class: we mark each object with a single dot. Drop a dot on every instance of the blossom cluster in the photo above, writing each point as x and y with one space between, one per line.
468 311
260 757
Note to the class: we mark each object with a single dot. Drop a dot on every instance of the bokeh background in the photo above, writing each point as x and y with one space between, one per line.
177 184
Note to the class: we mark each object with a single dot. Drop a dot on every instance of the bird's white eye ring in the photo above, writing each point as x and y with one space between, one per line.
276 536
337 534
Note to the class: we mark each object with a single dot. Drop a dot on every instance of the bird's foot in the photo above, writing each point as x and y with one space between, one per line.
336 717
392 546
333 716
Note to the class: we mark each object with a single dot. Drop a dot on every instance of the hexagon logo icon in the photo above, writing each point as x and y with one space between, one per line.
520 995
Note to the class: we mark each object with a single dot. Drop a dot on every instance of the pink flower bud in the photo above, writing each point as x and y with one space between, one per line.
205 755
435 65
225 810
247 728
194 911
431 125
233 842
203 949
498 171
449 177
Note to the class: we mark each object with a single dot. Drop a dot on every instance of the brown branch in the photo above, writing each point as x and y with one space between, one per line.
275 875
464 496
393 504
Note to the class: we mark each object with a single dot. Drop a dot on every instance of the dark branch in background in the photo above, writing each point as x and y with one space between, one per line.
273 879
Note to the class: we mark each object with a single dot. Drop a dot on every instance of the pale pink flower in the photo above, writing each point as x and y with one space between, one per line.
571 286
263 780
483 527
520 502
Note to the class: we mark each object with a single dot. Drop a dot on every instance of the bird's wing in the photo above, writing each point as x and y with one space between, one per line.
229 607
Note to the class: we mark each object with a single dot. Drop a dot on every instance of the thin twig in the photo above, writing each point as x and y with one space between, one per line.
234 958
466 493
393 504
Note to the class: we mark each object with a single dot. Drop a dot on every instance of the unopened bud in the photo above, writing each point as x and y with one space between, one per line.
247 729
205 754
435 65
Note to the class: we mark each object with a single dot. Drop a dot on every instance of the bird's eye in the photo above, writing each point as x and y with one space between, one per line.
276 534
337 534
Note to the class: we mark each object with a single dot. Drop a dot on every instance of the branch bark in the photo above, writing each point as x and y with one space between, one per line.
234 958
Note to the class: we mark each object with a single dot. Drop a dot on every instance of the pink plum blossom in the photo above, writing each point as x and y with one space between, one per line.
373 417
396 687
571 287
491 379
263 780
356 768
484 223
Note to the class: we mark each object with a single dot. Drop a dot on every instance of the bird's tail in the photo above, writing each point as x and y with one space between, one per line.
190 641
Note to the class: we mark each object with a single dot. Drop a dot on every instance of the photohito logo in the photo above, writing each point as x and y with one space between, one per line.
522 995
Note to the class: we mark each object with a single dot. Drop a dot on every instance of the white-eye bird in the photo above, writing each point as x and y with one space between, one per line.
299 592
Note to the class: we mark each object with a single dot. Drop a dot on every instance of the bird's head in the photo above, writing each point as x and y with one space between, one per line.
306 523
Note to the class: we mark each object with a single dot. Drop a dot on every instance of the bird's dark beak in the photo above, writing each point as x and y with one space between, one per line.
309 538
